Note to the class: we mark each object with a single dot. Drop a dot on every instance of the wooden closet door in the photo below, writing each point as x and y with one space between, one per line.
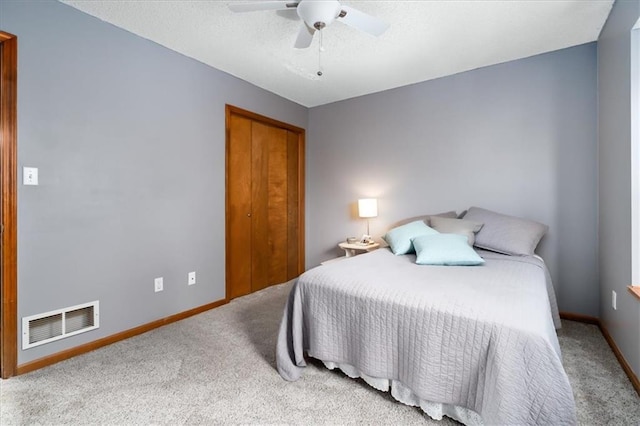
270 212
295 224
264 199
239 209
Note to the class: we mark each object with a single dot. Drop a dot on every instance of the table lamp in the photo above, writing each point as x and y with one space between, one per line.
368 208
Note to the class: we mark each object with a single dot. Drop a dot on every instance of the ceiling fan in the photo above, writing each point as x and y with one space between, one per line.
316 15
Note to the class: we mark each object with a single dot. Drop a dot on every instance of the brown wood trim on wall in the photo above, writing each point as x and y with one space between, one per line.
579 318
96 344
621 359
616 351
8 208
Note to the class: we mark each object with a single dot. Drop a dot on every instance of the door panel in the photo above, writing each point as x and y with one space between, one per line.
239 207
278 211
293 222
260 211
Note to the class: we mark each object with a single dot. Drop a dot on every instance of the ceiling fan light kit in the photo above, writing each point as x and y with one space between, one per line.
317 15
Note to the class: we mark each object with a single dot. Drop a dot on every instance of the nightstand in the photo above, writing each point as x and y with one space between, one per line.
354 249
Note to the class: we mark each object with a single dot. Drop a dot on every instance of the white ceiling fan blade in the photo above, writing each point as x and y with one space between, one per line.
305 36
262 5
362 21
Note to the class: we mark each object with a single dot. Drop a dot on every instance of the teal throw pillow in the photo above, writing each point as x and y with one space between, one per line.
445 249
399 239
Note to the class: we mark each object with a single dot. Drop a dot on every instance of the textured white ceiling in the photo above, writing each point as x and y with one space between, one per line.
427 39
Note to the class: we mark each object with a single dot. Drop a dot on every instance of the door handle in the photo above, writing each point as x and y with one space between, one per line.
248 214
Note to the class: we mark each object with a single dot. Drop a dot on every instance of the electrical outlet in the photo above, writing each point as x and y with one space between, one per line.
192 278
158 284
614 302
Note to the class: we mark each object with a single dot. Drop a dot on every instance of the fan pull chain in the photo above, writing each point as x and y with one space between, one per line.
320 54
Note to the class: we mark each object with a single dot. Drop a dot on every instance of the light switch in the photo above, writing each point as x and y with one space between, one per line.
30 175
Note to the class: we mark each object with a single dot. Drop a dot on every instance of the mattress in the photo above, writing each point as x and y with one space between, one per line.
480 340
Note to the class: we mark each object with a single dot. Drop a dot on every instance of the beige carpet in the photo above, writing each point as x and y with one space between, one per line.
218 368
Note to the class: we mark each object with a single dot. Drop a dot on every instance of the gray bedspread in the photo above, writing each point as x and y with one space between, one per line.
477 337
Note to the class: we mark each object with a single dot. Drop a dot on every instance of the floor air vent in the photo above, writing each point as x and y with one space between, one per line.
50 326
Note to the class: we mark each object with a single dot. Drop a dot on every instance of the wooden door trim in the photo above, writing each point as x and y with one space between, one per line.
8 212
231 110
301 202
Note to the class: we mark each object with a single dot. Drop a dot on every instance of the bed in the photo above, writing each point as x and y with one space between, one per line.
475 343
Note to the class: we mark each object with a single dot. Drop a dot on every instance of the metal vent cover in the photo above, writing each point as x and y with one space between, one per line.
54 325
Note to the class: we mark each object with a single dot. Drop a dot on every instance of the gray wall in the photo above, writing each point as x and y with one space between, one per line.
518 138
129 140
614 162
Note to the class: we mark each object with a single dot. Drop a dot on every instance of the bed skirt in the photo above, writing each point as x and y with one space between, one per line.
403 394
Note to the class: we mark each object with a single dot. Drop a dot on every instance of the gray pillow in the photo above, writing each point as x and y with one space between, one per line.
464 227
506 234
425 218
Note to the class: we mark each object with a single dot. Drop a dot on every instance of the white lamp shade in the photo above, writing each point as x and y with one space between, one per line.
368 207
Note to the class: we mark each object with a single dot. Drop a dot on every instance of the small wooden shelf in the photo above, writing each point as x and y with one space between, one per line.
635 290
